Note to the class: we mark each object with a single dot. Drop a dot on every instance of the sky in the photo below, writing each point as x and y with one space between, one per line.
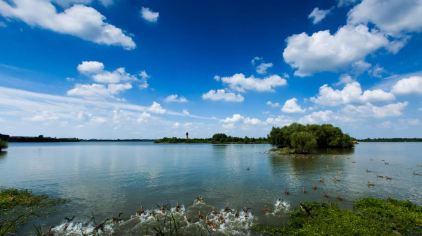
155 68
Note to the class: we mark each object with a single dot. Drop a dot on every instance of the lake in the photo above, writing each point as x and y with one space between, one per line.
105 178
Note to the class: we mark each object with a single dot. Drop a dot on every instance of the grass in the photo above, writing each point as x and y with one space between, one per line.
369 216
17 206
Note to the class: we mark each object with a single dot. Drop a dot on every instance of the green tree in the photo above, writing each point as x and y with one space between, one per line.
3 144
306 138
220 138
303 142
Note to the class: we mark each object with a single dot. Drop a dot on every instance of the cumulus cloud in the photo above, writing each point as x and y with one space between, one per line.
369 110
278 121
291 106
273 104
156 108
239 82
90 67
351 93
112 77
261 67
409 85
391 16
318 117
317 15
107 83
323 51
230 122
175 98
149 15
78 20
222 95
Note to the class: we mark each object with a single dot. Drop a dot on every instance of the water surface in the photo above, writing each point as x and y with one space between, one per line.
107 178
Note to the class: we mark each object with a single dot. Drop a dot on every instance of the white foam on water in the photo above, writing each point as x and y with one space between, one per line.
199 218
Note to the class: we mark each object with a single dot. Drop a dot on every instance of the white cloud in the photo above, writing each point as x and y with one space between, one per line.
360 66
317 15
112 77
377 71
98 91
90 67
175 98
230 122
89 90
240 83
318 117
118 88
343 3
156 108
144 75
222 95
261 67
108 83
291 106
78 20
345 79
278 121
149 15
410 85
143 117
369 110
391 16
273 104
67 3
323 51
351 93
185 112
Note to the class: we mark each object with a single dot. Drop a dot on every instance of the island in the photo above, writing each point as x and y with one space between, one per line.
303 139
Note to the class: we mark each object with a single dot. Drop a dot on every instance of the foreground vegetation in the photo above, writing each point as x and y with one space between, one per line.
369 216
219 138
298 138
17 206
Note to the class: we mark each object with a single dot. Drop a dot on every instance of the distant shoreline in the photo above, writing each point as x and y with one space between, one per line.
42 139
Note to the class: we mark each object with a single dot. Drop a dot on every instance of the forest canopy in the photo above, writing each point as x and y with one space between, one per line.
298 138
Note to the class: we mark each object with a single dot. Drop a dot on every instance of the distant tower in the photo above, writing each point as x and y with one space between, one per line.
187 135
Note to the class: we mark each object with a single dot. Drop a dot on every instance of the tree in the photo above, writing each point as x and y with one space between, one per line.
219 138
303 142
3 144
306 138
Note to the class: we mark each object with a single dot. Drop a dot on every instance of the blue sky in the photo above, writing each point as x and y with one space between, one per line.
147 69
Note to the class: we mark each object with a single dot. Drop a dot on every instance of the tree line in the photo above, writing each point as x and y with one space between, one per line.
218 138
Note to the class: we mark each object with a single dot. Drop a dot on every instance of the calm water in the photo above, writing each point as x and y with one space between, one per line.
108 178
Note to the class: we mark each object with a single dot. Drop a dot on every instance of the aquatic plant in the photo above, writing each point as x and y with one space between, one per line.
369 216
17 206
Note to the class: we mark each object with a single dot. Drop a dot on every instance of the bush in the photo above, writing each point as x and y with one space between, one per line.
307 138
